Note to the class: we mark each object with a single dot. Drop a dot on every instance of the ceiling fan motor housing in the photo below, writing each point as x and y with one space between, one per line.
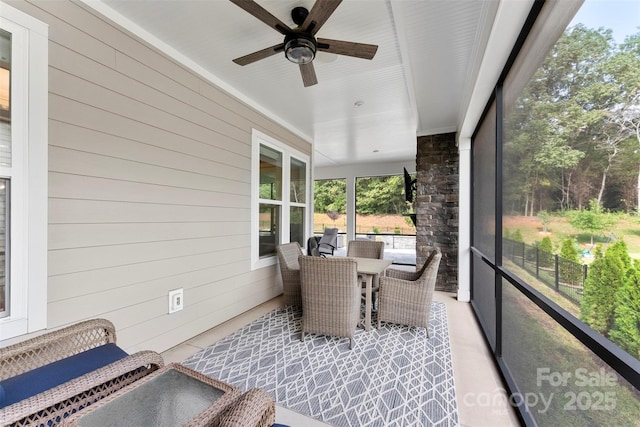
299 14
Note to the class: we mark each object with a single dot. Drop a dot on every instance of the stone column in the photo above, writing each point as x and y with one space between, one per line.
436 205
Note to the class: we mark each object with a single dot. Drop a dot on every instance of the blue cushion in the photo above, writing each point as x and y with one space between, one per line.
54 374
1 394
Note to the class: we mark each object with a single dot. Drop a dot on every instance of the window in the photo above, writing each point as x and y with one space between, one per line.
280 198
546 144
329 205
382 214
298 201
270 200
23 173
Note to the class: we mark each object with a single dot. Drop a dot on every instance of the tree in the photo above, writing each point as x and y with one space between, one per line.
613 135
591 91
605 277
550 122
545 219
591 220
380 195
566 133
626 328
333 215
625 120
623 188
330 195
625 66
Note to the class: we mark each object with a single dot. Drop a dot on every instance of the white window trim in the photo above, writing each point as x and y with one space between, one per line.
258 138
29 185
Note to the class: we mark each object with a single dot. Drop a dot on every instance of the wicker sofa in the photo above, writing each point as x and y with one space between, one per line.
46 378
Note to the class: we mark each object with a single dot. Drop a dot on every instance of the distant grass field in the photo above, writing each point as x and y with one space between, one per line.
559 228
365 223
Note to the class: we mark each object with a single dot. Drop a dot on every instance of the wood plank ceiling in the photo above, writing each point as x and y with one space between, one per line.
419 82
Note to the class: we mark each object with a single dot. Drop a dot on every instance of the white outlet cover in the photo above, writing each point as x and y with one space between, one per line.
176 300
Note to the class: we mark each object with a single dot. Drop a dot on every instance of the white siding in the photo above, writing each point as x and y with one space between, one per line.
5 143
149 186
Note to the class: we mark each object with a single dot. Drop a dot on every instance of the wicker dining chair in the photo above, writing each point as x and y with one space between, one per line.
288 254
367 249
405 297
330 296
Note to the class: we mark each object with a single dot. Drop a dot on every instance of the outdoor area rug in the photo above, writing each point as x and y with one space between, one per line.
394 376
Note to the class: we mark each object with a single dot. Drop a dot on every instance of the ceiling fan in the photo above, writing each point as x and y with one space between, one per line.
300 44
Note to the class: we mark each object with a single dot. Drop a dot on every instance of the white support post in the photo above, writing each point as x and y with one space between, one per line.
351 208
464 224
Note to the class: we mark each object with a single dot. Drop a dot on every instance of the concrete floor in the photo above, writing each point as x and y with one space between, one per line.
482 400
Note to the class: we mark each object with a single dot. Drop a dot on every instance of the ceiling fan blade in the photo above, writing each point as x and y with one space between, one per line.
262 14
308 74
261 54
320 12
359 50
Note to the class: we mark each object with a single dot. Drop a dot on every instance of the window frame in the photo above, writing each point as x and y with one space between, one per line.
28 174
257 139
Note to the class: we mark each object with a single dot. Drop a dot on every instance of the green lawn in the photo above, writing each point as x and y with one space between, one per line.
625 227
532 342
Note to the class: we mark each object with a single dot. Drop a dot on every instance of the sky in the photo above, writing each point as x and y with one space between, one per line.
622 16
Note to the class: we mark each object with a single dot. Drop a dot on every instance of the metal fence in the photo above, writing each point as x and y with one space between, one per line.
396 229
564 276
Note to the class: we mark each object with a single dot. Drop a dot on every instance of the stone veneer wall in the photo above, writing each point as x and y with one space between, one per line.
436 205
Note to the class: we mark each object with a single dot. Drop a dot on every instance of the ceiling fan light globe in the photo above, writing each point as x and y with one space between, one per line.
300 50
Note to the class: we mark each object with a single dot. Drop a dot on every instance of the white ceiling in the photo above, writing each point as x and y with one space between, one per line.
419 82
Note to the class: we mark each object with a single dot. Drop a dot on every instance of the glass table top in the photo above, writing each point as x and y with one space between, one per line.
168 400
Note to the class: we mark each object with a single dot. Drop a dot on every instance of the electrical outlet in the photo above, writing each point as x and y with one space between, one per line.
176 300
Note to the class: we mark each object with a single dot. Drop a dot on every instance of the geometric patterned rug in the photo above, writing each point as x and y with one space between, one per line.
394 376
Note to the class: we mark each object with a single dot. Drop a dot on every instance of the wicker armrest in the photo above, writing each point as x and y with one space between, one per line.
398 286
55 345
253 408
51 406
401 274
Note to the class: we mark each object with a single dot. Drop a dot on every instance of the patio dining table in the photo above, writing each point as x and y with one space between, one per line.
369 268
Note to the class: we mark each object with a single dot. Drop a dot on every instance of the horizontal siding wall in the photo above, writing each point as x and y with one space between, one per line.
149 186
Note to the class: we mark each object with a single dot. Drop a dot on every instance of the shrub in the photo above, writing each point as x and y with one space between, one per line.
545 252
606 275
517 236
568 250
626 330
570 269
